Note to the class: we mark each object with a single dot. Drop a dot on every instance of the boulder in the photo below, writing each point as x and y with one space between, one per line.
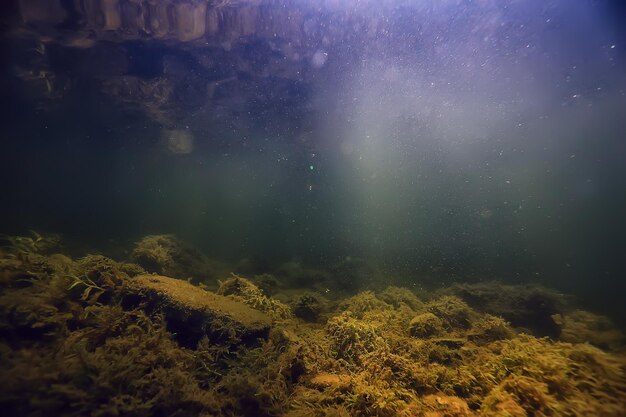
192 313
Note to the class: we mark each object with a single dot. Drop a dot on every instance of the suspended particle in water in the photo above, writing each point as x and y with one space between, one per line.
178 141
319 59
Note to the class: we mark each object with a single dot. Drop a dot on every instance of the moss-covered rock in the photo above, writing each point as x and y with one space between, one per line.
454 312
243 290
530 307
350 337
489 329
169 256
193 313
397 296
308 306
425 325
362 303
580 326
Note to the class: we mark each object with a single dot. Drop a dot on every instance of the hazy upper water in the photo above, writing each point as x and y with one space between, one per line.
442 140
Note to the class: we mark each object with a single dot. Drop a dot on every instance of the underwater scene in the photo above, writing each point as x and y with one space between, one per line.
313 208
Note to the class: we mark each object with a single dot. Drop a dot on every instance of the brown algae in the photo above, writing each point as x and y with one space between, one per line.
94 336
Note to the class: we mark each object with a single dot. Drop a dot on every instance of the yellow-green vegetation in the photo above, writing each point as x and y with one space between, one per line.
527 306
453 311
35 243
362 303
350 337
396 296
489 328
580 326
98 337
245 291
425 325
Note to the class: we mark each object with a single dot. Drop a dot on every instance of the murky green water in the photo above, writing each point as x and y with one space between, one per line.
320 149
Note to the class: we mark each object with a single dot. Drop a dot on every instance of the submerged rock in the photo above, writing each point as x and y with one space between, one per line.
528 306
308 306
243 290
397 296
168 255
452 310
192 313
425 325
490 328
581 326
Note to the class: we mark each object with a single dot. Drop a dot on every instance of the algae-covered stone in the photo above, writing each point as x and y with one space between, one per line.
192 312
425 325
362 303
490 328
168 255
581 326
446 405
397 296
350 337
308 306
530 307
243 290
455 313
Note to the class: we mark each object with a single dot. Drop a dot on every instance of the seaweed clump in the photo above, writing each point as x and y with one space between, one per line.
245 291
581 326
36 243
362 303
425 325
397 296
490 329
453 311
68 352
308 306
529 306
145 345
350 338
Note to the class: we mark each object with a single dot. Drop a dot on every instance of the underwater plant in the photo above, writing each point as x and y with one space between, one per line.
100 337
244 290
91 291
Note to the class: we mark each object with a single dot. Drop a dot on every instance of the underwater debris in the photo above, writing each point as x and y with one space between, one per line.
192 313
324 381
438 406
